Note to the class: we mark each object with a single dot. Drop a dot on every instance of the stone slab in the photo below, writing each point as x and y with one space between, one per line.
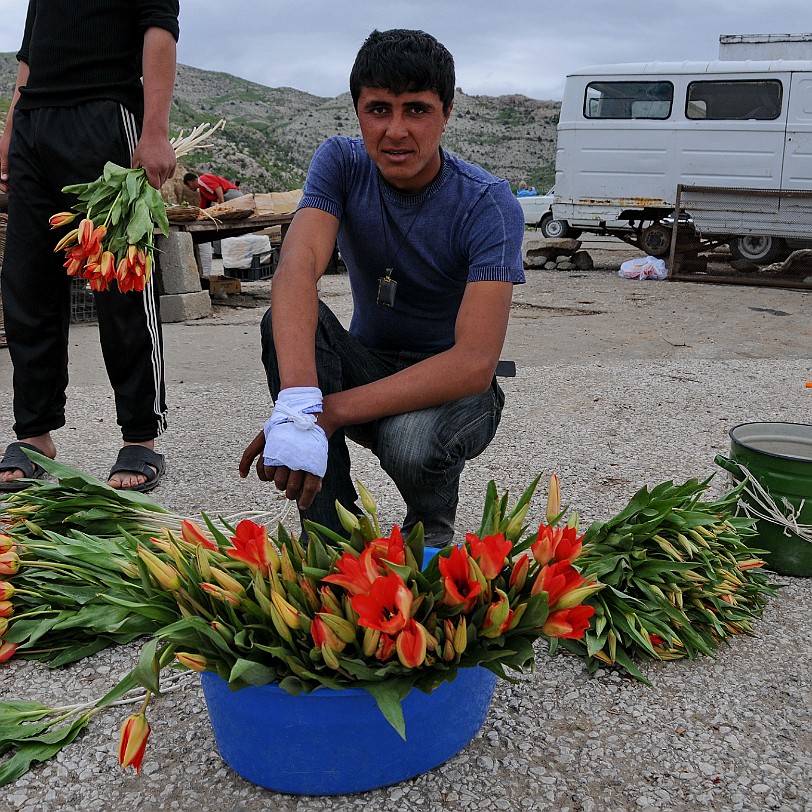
185 306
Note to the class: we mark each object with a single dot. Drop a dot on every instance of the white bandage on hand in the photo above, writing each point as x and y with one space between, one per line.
292 438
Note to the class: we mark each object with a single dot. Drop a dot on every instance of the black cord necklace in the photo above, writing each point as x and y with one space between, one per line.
387 286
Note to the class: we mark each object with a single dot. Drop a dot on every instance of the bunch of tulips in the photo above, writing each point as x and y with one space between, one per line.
114 240
120 211
363 611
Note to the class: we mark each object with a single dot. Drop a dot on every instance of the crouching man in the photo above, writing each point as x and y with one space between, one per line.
432 246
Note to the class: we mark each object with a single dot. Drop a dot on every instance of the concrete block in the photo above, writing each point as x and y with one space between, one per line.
185 306
179 273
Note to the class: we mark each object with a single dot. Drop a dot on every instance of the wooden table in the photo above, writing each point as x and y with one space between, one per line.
207 230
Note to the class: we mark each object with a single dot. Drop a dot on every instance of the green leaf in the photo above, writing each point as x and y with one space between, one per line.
388 695
253 673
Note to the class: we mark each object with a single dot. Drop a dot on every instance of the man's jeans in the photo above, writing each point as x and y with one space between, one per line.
423 452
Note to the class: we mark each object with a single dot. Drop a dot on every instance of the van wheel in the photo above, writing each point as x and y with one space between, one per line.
759 250
656 240
554 229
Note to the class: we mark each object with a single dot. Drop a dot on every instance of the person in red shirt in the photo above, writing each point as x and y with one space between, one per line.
212 188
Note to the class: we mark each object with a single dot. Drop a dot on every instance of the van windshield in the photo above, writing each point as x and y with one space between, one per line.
628 100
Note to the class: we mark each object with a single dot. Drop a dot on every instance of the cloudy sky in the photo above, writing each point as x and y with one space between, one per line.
514 46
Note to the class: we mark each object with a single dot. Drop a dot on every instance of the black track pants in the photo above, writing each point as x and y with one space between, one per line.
51 148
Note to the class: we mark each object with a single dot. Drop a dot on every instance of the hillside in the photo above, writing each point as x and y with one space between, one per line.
272 132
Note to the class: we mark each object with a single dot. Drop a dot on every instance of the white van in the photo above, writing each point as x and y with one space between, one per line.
628 135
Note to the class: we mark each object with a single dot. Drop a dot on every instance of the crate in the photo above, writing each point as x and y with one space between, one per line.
82 304
257 270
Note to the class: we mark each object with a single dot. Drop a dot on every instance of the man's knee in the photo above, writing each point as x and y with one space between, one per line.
409 447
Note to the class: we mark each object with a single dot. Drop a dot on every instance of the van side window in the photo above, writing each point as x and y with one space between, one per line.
628 100
734 99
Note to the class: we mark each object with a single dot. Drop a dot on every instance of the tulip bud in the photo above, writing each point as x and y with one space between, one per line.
6 590
203 563
553 499
133 742
411 645
67 240
6 609
194 662
349 521
220 594
518 576
7 650
461 636
228 582
3 626
515 525
9 563
193 534
165 574
62 218
330 657
371 639
448 650
572 521
345 630
367 500
288 572
329 601
223 631
280 625
288 612
6 542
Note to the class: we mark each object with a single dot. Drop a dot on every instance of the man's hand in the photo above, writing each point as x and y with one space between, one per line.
298 485
157 157
4 163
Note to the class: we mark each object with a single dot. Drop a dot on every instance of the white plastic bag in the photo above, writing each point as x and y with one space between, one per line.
239 251
643 268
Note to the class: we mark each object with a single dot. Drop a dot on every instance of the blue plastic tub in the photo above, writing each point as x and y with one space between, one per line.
336 742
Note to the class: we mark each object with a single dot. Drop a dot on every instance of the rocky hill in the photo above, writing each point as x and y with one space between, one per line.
272 132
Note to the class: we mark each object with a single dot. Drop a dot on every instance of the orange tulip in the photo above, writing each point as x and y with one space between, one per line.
7 651
490 552
6 543
62 218
9 562
251 544
194 535
458 586
133 742
6 609
568 623
387 607
6 590
356 575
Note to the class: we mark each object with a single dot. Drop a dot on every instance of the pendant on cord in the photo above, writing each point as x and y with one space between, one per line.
387 288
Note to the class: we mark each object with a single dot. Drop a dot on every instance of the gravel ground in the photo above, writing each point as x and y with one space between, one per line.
642 390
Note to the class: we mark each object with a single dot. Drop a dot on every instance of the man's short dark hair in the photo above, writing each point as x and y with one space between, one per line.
403 61
189 176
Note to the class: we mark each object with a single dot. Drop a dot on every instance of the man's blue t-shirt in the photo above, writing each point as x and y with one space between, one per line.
465 226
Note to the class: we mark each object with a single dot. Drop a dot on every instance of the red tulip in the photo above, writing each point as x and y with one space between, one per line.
356 575
133 742
68 240
490 552
251 546
568 623
386 607
458 586
389 549
411 645
556 544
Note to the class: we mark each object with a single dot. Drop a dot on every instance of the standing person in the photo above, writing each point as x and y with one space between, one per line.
212 188
432 245
79 102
